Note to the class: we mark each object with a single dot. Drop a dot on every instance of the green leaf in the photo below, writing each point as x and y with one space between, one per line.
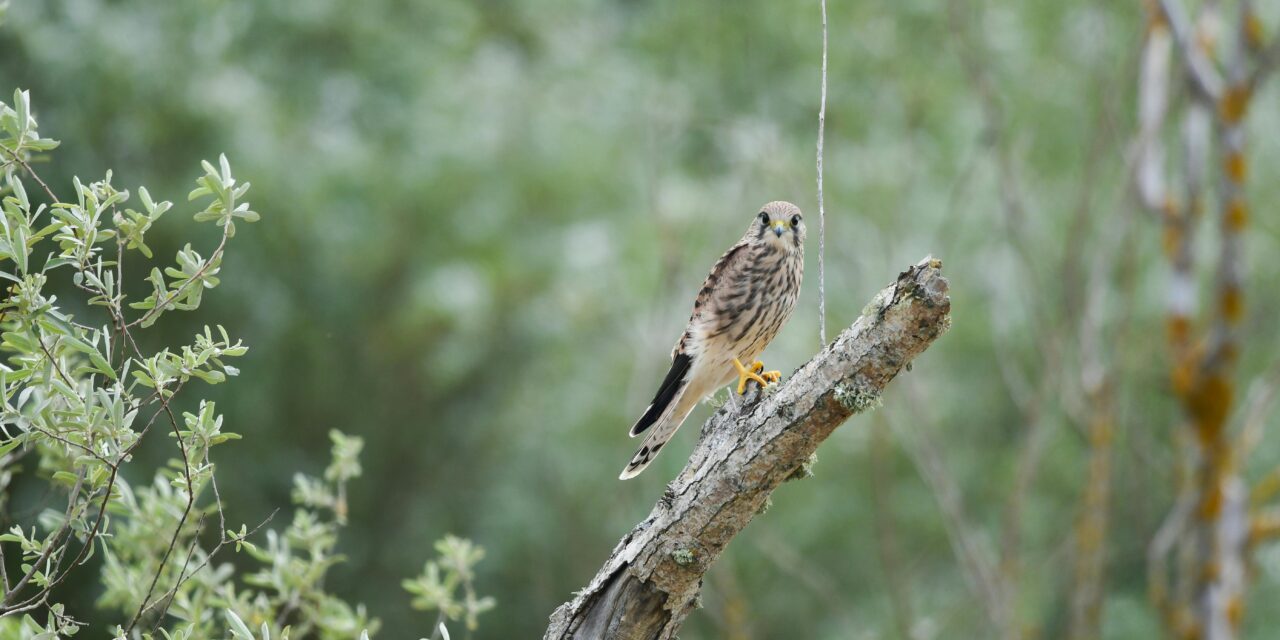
101 365
79 345
22 106
42 144
223 437
238 628
20 342
54 263
13 444
145 197
144 379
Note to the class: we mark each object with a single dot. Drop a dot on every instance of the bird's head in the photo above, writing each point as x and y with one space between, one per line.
778 224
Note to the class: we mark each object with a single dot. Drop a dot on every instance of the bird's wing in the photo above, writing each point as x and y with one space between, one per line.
662 411
702 305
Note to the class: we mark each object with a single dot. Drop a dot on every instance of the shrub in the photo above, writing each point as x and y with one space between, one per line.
80 395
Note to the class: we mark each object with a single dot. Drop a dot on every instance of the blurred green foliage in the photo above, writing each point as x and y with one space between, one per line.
484 223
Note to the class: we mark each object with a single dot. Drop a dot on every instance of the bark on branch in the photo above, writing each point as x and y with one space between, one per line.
651 581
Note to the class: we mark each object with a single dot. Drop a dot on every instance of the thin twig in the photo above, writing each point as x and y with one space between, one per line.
1205 79
183 576
194 279
18 159
53 544
439 624
822 212
177 530
4 573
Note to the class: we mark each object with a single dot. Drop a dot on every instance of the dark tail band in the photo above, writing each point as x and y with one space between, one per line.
667 393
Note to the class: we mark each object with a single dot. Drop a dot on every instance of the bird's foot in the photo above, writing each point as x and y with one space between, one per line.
754 372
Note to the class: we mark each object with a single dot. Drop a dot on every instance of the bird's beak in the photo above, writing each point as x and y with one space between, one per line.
780 227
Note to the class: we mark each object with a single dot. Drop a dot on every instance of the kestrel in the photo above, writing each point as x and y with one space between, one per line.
748 296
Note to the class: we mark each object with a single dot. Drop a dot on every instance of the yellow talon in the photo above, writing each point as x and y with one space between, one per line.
751 373
771 376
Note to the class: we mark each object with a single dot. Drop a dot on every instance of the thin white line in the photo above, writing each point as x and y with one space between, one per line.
822 213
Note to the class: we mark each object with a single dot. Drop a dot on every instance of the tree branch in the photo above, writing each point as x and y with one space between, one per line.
1205 78
651 581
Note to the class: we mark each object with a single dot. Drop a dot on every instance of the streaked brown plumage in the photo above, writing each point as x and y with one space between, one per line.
748 296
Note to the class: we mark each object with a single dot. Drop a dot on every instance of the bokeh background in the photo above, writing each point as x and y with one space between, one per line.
484 223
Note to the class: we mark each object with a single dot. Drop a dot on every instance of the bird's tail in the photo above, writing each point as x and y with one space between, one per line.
662 429
664 415
675 382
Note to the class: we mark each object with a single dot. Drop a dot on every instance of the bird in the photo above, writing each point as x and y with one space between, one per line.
745 300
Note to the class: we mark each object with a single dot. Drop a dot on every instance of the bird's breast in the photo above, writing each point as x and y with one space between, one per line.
754 303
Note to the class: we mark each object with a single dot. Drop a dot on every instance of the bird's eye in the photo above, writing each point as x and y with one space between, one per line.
795 220
764 218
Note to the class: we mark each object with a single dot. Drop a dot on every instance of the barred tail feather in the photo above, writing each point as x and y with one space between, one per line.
675 382
664 428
